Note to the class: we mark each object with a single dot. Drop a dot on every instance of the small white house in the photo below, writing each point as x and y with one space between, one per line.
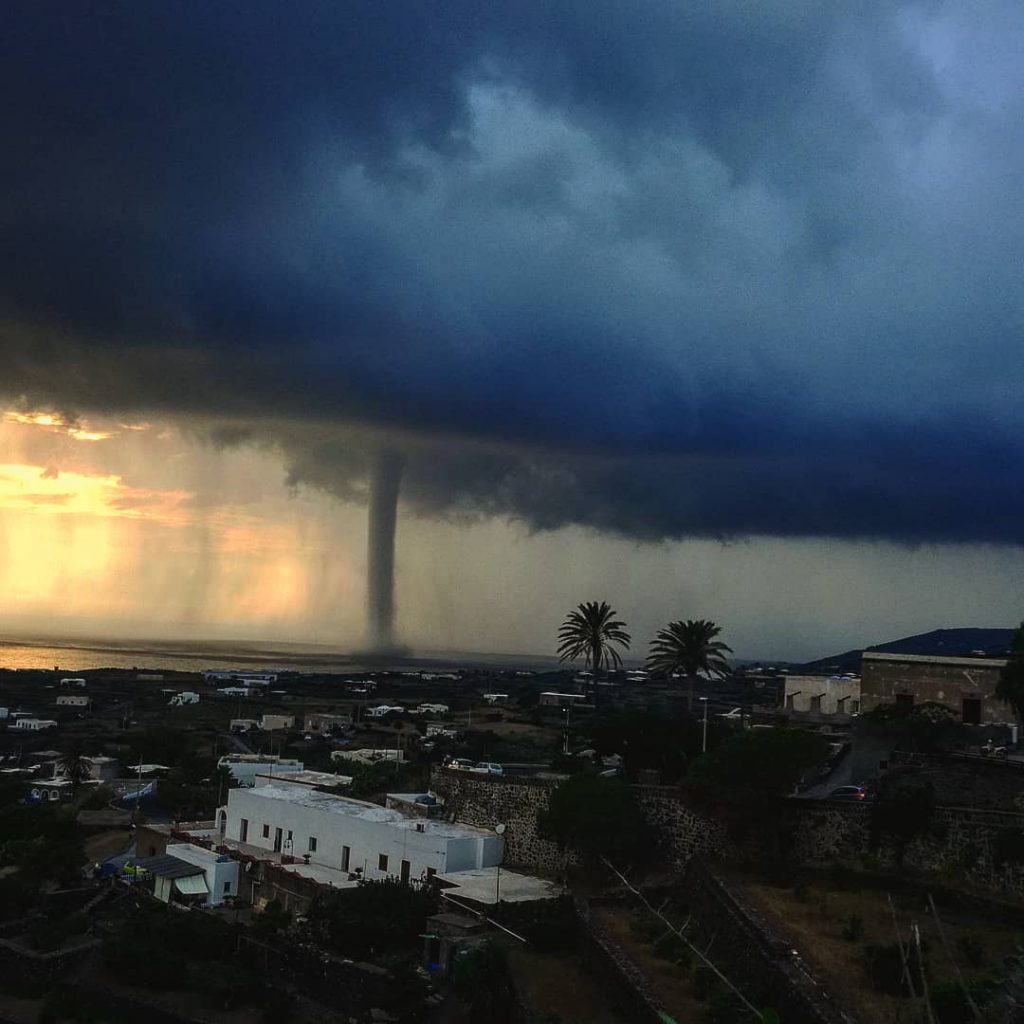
349 835
245 767
181 699
192 874
73 700
496 698
35 724
73 682
268 723
382 709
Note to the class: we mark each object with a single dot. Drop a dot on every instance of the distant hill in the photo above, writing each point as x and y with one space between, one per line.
950 643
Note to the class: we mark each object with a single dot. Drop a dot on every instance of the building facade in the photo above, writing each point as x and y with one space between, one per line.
351 835
965 685
245 767
826 695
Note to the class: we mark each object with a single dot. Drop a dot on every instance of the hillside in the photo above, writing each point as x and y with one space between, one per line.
951 643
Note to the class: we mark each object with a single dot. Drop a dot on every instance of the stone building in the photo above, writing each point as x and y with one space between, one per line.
966 685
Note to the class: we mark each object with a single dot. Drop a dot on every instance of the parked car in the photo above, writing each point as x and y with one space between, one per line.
488 768
461 764
855 794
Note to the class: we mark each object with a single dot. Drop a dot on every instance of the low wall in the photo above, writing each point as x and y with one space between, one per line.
747 949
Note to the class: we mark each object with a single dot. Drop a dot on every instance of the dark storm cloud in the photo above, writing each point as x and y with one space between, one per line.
658 270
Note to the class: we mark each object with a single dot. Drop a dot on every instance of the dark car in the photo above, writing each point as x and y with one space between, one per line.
854 794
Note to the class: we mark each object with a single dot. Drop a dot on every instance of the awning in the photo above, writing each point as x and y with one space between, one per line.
194 885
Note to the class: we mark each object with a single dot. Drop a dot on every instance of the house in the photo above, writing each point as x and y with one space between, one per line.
243 724
73 700
73 682
824 695
560 700
381 710
346 835
496 698
965 685
183 698
192 875
35 724
269 723
322 721
104 769
369 756
245 767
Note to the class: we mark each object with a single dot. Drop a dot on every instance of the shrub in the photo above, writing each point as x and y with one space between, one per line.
853 930
971 950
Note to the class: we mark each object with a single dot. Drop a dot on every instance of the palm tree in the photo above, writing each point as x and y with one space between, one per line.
689 647
590 631
75 766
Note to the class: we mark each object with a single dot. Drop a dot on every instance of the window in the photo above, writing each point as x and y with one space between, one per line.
266 831
382 862
854 707
346 856
243 830
289 836
312 844
227 887
406 868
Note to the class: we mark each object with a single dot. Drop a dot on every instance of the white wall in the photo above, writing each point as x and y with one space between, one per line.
441 846
217 872
245 772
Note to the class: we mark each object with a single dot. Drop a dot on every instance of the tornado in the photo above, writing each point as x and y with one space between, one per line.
385 480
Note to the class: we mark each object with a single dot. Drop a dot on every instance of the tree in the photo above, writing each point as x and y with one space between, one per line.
689 647
75 767
1011 677
665 742
761 762
375 918
591 632
595 817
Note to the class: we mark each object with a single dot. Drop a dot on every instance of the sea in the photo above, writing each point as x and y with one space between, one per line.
81 654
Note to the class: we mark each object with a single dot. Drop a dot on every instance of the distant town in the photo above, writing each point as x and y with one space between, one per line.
835 842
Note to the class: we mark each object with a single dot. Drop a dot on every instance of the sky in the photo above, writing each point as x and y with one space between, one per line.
710 310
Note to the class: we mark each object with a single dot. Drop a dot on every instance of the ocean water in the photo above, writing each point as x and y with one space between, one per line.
80 654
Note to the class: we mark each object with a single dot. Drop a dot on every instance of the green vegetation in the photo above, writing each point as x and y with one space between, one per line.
926 728
375 919
689 648
664 742
902 812
596 818
1011 678
760 762
481 980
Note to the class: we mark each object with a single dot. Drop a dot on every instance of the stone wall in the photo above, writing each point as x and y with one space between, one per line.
961 843
487 800
682 832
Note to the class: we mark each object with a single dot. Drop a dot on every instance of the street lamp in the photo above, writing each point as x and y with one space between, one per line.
704 729
500 831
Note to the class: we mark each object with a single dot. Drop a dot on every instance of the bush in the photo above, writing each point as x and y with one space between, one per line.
853 930
971 950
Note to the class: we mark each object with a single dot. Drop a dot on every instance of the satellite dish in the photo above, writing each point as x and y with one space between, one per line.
500 829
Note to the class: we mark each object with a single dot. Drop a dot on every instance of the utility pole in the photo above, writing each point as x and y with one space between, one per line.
704 729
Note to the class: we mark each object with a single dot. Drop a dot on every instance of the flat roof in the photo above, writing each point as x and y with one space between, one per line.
935 659
167 866
331 803
308 778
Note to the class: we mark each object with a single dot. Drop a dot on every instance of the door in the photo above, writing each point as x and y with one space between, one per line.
972 711
405 871
278 836
346 856
243 830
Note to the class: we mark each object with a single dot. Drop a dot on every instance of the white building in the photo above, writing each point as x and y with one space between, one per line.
245 767
826 695
350 835
76 681
35 724
72 700
193 872
268 723
496 698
